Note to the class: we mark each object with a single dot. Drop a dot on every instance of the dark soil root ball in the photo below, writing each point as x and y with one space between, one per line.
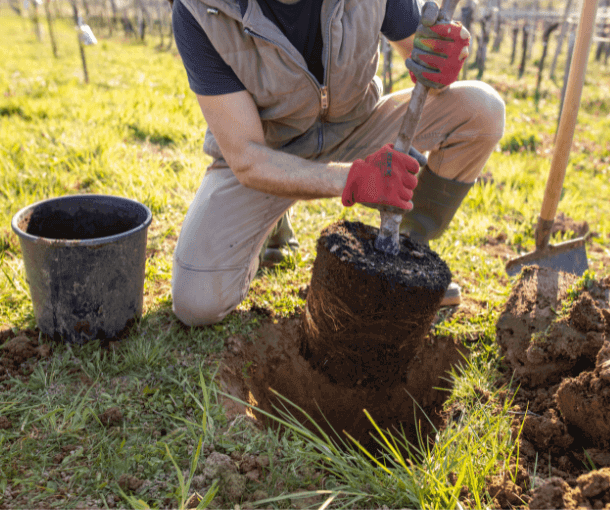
367 312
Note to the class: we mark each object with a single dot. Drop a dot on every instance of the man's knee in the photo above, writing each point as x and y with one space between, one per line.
201 298
488 110
196 313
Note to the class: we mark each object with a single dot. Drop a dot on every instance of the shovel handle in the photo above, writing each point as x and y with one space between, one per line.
567 124
387 241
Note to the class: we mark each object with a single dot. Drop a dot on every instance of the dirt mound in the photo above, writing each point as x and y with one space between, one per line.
509 489
565 224
271 361
15 350
591 490
546 334
554 333
585 401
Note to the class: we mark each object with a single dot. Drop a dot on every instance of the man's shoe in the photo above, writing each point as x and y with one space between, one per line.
273 257
453 295
279 244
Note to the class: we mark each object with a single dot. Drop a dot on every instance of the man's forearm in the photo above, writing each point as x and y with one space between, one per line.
403 47
277 173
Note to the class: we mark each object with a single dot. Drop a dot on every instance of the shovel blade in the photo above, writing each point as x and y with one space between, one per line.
569 257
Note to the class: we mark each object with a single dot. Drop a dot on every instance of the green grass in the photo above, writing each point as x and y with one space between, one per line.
135 130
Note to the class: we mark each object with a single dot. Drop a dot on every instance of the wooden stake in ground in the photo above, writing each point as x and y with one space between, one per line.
603 35
526 31
50 25
483 41
562 34
160 16
566 73
515 39
466 20
171 37
533 29
85 38
498 27
386 50
113 18
545 42
36 19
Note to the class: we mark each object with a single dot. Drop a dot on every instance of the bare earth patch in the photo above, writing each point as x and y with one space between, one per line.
272 362
555 340
16 350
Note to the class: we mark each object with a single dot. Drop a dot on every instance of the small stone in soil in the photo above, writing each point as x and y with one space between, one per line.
110 417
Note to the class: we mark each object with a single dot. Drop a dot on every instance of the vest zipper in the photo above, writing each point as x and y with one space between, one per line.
324 98
324 92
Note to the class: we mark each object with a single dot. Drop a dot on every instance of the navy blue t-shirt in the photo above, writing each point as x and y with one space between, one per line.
210 75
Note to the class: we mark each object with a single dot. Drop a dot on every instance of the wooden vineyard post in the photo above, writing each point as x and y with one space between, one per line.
603 34
127 25
466 20
171 37
562 34
483 41
524 52
160 16
498 28
113 18
515 40
81 46
386 50
545 42
566 73
533 30
85 38
50 25
36 19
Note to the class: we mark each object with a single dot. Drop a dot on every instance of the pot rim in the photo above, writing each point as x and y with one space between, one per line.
97 241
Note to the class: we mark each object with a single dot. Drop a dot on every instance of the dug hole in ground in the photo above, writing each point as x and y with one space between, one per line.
361 343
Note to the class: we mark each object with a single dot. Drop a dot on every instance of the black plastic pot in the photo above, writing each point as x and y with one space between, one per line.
85 258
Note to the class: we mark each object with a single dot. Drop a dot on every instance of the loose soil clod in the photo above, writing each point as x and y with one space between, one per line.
16 350
543 342
110 417
591 490
585 403
129 483
554 334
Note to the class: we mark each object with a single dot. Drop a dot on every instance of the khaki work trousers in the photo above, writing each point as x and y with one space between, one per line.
217 254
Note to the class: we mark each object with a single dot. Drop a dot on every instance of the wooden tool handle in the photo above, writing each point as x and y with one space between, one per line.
388 241
567 123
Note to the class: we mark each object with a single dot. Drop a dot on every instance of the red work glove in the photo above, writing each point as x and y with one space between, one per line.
438 54
386 177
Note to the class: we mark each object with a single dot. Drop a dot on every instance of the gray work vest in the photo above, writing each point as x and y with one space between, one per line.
300 116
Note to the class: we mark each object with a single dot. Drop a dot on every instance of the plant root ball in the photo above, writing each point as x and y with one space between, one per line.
367 312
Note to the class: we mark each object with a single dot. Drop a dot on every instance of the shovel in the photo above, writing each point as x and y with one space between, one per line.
569 256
